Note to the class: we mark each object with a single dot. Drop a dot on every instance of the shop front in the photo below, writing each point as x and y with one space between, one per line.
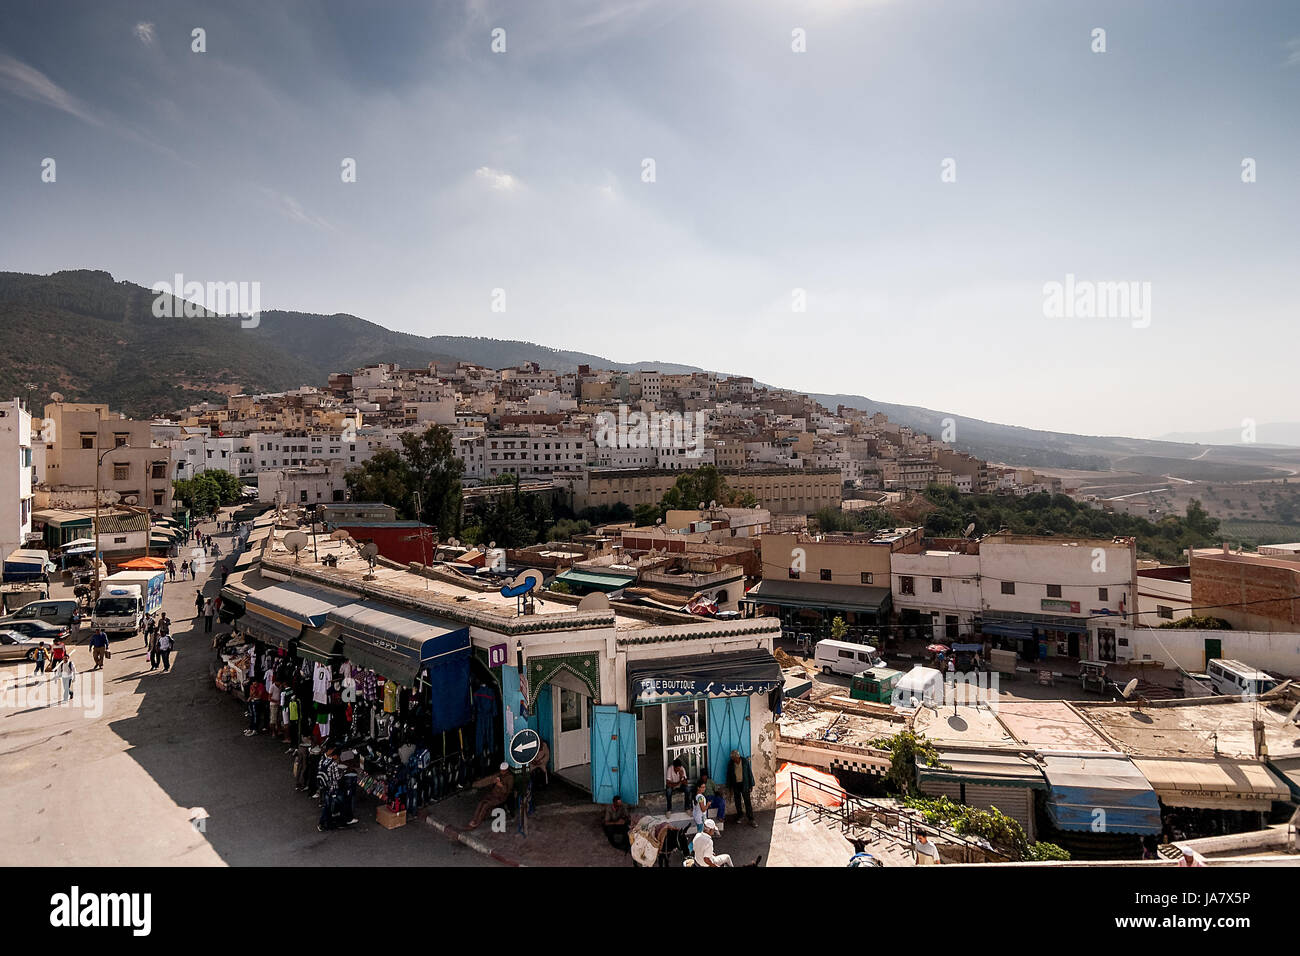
810 607
696 709
1037 637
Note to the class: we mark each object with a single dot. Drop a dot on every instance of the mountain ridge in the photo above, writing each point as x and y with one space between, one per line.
87 335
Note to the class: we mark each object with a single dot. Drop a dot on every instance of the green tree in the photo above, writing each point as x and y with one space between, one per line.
426 465
704 484
906 749
385 477
838 628
435 472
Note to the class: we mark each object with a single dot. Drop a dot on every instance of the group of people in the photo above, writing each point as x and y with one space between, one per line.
705 795
187 570
57 660
158 641
504 782
206 608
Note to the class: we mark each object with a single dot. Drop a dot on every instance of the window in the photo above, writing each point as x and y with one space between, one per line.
1053 590
1008 587
907 585
121 472
1166 612
794 574
826 574
87 440
936 585
159 470
120 439
847 655
1103 594
867 577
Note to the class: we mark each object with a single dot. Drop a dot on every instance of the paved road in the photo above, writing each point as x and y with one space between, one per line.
114 784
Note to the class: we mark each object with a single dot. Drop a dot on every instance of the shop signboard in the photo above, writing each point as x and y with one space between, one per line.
652 690
685 726
497 655
1053 604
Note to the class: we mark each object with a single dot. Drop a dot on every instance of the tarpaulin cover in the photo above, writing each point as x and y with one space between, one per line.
817 792
1100 793
730 674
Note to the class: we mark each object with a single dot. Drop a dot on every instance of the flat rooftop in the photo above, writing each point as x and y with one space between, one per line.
1049 725
1196 727
353 572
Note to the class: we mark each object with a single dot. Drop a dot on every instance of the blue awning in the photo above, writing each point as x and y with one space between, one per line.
400 645
26 565
1100 793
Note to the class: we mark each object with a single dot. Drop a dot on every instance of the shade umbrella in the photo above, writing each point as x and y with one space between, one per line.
937 649
145 564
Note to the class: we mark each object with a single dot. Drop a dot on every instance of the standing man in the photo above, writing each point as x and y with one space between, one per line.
208 612
198 604
165 647
328 776
42 654
68 673
98 647
740 778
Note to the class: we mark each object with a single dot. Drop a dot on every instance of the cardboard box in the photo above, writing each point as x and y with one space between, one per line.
390 820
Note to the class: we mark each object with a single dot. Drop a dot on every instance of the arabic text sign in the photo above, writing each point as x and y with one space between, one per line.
651 689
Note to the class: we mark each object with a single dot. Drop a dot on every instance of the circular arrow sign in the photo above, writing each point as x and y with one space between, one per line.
524 746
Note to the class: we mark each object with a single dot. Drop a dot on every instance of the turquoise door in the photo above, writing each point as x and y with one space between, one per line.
629 777
728 731
606 754
613 755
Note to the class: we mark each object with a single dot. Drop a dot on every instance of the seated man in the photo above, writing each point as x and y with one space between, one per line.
500 785
703 846
675 782
617 822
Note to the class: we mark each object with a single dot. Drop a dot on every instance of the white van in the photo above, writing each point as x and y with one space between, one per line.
1232 678
921 684
842 657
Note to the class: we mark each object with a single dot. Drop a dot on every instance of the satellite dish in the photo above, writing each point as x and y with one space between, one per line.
1131 686
492 544
369 550
453 542
339 535
969 529
595 601
295 541
130 499
522 584
56 396
701 505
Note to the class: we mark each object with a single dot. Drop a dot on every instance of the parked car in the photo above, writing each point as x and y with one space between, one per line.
37 630
61 613
17 647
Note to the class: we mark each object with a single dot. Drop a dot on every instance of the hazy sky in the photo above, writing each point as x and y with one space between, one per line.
774 171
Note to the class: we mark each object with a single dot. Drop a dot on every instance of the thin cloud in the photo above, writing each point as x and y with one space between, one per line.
1293 51
31 84
287 206
496 179
144 32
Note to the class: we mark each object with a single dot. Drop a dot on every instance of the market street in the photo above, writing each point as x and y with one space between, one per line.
113 783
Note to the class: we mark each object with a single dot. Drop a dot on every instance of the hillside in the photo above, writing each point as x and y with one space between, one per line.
92 338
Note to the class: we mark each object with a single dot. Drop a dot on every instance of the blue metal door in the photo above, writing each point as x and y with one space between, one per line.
606 753
629 782
728 731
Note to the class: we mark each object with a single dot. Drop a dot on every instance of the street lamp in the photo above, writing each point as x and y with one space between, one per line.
99 464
